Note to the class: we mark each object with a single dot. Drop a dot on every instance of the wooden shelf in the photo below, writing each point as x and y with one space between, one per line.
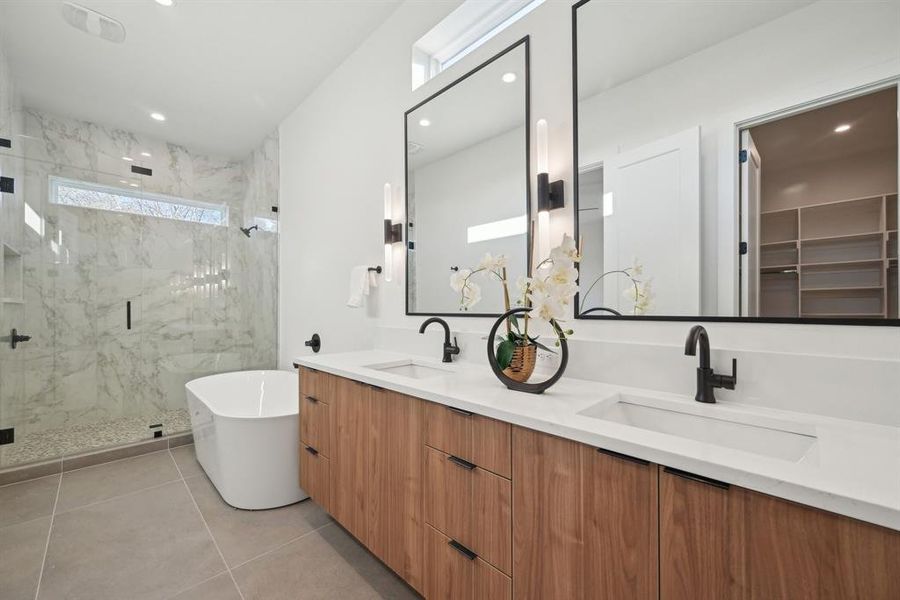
842 289
789 243
849 236
845 263
777 268
842 315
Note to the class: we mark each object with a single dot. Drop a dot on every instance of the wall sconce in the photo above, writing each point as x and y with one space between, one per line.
393 233
550 194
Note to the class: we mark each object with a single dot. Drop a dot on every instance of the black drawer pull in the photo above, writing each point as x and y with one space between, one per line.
698 478
461 463
460 411
619 455
462 550
312 399
312 451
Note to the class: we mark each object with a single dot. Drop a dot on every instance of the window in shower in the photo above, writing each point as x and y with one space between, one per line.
84 194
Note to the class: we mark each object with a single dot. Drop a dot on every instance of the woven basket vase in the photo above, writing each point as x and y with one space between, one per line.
522 365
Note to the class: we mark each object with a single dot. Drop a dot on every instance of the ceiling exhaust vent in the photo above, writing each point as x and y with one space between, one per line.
92 22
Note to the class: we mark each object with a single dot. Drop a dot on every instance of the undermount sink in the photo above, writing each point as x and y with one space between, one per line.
410 368
757 434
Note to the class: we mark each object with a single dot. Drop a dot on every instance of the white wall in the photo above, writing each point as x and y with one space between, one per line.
483 183
346 140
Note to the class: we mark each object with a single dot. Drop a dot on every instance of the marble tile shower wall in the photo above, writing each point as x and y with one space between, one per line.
203 296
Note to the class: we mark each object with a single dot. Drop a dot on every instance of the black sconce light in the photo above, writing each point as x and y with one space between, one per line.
550 194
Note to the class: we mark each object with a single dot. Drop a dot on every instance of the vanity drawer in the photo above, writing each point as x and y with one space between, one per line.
315 475
452 572
470 505
484 442
315 424
316 384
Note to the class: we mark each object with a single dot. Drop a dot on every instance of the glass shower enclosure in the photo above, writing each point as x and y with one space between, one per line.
124 261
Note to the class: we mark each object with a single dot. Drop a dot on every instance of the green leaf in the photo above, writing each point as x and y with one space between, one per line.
542 347
515 322
504 353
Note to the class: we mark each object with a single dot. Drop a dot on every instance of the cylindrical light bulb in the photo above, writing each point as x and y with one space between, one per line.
388 247
543 236
543 159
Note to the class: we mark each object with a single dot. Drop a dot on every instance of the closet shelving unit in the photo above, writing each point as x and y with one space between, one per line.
830 260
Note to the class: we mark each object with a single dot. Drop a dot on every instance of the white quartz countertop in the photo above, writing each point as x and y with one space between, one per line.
853 469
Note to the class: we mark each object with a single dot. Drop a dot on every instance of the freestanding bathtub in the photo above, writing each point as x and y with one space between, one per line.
247 436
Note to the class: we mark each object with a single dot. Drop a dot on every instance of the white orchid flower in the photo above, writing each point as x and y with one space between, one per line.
562 274
566 252
458 279
546 308
493 263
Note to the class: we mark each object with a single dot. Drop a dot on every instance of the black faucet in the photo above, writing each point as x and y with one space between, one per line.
707 379
449 349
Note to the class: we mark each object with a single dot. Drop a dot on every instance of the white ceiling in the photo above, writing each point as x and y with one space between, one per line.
620 41
225 73
476 109
810 137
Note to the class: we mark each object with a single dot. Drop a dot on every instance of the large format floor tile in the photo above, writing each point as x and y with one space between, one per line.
245 534
186 459
327 564
142 546
21 553
27 500
101 482
220 587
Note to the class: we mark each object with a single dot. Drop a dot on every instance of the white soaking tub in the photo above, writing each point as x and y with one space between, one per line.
247 436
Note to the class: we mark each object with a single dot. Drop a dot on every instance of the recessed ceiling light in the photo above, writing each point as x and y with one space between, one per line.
165 2
145 154
424 122
842 128
128 158
509 77
157 116
122 181
133 184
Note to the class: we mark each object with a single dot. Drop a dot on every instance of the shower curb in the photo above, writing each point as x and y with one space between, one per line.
36 470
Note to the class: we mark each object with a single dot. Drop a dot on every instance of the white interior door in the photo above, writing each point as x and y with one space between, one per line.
751 183
653 218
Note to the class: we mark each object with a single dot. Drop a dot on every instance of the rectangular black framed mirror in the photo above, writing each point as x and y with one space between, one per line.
467 184
737 161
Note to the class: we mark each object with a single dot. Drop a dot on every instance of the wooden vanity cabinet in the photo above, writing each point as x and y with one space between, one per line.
584 521
454 573
349 464
479 440
467 507
701 538
395 479
470 505
803 553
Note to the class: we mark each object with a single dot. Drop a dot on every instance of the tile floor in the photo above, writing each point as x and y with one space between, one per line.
154 527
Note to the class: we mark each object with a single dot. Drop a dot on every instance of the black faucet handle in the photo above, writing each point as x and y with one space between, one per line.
728 381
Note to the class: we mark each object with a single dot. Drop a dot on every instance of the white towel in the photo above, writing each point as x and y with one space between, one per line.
361 282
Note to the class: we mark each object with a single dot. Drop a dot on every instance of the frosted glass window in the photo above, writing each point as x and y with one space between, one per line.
84 194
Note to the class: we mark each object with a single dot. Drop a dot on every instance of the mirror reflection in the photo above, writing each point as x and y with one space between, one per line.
467 184
738 159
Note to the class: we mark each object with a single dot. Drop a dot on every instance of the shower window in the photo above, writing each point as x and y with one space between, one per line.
69 192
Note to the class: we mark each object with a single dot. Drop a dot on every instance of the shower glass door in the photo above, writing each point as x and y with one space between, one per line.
129 284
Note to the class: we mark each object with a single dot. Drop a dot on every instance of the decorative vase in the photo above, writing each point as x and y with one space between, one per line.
515 377
522 364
